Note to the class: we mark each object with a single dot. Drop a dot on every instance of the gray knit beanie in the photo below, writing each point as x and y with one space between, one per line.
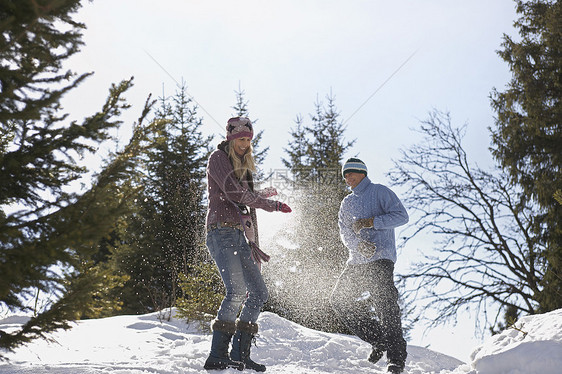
354 165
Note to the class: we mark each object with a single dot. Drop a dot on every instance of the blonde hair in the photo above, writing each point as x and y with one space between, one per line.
244 165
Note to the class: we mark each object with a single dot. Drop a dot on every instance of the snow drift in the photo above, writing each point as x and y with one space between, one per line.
144 344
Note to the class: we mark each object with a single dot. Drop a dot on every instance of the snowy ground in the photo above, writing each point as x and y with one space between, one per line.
143 344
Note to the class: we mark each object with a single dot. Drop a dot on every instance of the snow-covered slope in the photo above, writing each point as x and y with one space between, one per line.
533 346
143 344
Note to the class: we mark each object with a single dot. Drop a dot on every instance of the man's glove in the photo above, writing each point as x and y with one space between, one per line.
367 249
282 207
363 223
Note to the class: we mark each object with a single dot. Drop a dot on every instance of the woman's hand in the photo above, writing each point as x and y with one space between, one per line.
282 207
268 192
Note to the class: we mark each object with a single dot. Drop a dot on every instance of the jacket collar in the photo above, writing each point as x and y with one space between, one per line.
223 146
362 186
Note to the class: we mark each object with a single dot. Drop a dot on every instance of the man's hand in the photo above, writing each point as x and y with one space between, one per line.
367 249
362 223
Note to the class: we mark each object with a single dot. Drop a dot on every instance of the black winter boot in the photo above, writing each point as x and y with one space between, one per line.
395 369
242 342
218 358
376 354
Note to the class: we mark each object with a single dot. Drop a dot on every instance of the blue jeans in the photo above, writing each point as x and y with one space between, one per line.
241 275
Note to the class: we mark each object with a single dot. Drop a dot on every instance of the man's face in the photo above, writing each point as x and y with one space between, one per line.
353 179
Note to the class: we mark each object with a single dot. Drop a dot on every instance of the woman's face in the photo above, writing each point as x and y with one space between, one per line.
242 145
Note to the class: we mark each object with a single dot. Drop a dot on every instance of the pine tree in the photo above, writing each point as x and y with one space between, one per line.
241 110
527 139
298 159
32 50
203 291
558 196
48 227
165 236
315 156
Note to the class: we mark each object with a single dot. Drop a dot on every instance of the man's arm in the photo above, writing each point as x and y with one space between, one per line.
345 223
394 212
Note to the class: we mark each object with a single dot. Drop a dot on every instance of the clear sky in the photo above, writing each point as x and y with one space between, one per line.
286 55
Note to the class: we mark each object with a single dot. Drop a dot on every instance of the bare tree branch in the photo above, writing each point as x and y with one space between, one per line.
486 255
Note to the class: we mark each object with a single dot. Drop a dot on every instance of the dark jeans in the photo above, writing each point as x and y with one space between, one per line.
365 299
241 275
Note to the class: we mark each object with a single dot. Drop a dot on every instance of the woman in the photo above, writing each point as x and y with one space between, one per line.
231 192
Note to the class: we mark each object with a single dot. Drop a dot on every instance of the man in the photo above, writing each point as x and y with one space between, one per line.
365 298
